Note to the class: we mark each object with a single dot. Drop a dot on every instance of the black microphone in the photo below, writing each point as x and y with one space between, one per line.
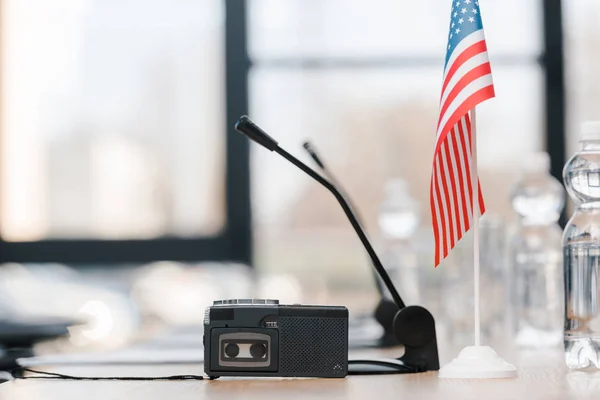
413 326
252 131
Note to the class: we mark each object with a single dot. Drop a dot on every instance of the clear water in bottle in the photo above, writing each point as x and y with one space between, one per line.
536 256
398 221
399 212
581 247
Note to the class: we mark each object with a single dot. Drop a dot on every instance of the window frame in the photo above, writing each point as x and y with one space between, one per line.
233 243
553 61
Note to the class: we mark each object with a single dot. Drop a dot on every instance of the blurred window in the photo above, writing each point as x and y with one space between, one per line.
117 132
113 120
361 80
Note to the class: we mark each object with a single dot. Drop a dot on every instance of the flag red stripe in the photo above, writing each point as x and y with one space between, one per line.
464 136
434 219
469 52
442 218
460 180
481 202
479 192
453 169
477 72
447 196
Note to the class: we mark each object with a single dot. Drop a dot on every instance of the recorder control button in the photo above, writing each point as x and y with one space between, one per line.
245 301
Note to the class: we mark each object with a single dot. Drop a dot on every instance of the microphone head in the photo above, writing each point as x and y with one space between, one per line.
246 127
308 146
310 149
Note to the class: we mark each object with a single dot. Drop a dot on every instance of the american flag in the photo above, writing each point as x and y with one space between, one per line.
467 82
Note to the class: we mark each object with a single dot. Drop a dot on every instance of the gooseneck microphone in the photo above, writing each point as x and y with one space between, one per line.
413 326
252 131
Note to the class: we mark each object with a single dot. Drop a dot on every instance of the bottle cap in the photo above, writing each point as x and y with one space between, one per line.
590 130
536 163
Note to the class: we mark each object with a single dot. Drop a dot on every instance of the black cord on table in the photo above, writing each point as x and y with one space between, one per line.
53 375
395 368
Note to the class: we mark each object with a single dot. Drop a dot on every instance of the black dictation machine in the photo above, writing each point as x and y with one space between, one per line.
258 337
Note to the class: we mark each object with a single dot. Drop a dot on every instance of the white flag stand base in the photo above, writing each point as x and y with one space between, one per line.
478 362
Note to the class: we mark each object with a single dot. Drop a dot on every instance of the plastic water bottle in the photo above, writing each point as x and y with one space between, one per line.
398 221
581 247
536 256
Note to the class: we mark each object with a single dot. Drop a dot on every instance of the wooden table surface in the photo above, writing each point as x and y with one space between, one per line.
540 377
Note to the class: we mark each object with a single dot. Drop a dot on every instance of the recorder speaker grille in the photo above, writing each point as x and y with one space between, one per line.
313 346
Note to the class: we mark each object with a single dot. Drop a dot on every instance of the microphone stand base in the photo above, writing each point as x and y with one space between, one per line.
414 327
478 362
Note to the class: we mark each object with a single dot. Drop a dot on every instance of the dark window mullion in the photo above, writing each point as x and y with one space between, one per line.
237 64
555 88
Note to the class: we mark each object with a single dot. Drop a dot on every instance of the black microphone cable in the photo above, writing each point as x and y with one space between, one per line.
18 374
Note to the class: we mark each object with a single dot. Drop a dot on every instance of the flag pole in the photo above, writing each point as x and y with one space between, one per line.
476 361
475 204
